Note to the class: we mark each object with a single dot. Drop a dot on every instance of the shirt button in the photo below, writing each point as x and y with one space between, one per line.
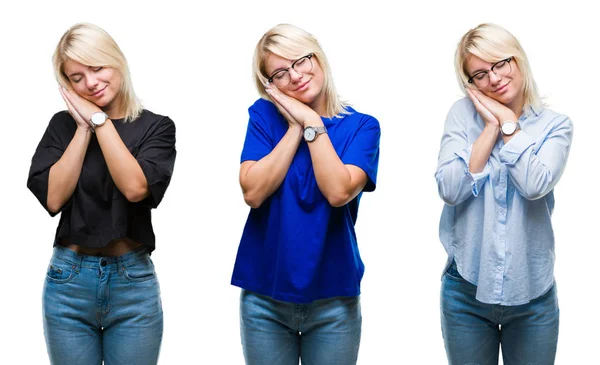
499 268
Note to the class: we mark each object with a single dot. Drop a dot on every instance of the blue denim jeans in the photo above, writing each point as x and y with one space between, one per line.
473 331
102 308
324 332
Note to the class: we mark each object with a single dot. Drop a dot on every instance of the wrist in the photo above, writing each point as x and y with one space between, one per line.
492 128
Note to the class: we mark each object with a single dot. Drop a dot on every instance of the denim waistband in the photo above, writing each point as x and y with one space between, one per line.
88 261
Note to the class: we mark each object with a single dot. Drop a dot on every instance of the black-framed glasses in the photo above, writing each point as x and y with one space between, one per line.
302 65
481 79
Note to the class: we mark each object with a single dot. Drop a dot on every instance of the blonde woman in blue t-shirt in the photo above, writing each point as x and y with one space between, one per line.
307 158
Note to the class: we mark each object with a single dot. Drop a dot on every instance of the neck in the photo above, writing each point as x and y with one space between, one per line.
320 106
517 105
114 110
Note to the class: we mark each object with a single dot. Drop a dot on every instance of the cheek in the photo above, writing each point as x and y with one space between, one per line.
79 88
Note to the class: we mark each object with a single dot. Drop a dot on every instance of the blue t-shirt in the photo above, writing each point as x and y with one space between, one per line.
296 247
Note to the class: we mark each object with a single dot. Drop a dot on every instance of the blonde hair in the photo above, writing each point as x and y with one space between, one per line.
492 43
90 45
291 42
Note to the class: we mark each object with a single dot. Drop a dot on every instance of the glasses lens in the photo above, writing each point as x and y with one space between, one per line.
502 68
481 80
303 65
281 78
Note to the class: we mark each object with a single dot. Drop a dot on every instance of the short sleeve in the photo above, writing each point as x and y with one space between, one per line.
48 152
363 151
258 141
156 157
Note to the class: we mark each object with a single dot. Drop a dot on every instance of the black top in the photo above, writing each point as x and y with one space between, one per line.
98 212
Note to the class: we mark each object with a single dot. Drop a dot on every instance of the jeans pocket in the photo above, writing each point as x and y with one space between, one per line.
452 273
139 272
60 272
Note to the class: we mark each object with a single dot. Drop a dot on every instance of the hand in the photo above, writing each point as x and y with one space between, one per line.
79 108
295 112
491 111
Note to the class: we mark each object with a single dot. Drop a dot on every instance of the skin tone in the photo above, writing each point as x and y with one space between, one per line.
91 90
502 100
302 103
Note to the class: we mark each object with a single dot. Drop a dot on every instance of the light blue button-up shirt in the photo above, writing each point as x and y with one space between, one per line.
496 224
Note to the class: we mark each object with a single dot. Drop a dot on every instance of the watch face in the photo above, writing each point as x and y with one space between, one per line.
309 134
509 128
98 118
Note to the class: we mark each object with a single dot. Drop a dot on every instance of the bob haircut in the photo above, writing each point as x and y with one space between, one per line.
291 42
492 43
90 45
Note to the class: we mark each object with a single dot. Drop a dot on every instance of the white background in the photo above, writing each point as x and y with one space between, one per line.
193 63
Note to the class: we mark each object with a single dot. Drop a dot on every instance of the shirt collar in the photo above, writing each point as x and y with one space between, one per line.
530 110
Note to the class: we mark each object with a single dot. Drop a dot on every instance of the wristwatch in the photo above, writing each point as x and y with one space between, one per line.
98 119
509 128
311 133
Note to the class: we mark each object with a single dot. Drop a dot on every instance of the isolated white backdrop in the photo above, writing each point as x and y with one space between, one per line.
395 62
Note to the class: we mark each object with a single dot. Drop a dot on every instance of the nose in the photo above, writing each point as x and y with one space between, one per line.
295 76
494 78
91 82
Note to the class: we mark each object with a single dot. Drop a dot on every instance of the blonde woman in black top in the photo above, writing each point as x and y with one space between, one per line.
103 164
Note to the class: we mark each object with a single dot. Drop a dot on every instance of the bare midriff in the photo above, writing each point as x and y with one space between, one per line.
116 247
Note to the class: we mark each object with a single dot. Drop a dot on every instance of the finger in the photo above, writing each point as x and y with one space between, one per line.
281 108
74 113
485 113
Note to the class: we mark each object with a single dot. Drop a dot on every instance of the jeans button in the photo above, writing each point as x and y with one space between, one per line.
103 263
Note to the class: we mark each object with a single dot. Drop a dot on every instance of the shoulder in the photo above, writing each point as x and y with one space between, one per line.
360 119
152 118
62 123
554 118
263 107
61 117
152 121
463 106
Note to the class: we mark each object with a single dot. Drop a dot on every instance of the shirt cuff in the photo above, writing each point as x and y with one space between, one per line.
478 178
510 152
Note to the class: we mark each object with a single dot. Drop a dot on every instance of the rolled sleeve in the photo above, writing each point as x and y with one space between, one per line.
535 166
156 157
48 152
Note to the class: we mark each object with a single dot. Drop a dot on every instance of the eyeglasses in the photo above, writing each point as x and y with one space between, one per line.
282 77
481 79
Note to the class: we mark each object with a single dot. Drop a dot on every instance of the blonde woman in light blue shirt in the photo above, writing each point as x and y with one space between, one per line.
502 153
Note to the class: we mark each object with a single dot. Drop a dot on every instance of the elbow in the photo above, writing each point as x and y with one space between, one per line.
533 194
53 207
137 194
252 200
449 199
339 199
537 189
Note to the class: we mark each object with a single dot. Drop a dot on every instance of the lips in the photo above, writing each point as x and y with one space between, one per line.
303 85
502 88
99 91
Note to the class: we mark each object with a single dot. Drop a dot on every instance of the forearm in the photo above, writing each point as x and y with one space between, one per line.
533 169
482 148
122 166
334 179
259 179
64 174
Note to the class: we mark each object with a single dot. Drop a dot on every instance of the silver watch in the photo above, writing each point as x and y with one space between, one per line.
311 133
509 128
98 119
